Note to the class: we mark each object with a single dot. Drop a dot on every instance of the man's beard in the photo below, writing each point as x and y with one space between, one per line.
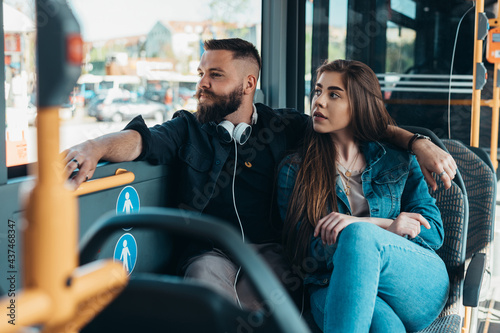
219 106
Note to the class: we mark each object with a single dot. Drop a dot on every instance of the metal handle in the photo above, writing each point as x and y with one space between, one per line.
121 177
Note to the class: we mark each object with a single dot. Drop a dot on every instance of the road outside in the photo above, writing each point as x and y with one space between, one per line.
76 130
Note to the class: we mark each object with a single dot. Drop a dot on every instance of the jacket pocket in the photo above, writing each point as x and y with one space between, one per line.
194 158
393 175
389 185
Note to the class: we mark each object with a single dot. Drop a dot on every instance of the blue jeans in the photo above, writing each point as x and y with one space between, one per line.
381 282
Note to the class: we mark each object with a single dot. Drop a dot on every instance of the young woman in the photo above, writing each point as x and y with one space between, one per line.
359 221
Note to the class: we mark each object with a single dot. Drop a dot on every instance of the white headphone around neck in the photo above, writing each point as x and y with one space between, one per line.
241 133
227 132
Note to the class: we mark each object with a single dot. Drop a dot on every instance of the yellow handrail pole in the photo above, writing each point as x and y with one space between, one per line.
56 294
31 299
476 93
51 234
94 286
121 177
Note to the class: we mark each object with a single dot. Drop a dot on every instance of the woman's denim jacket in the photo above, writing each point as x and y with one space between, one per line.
392 183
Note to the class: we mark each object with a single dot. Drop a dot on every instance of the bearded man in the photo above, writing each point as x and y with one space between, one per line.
227 154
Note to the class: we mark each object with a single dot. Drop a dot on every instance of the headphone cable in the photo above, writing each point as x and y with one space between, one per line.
451 68
238 216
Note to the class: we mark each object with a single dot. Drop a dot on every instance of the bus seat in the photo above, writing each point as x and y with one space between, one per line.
454 206
483 155
161 303
481 183
177 298
454 212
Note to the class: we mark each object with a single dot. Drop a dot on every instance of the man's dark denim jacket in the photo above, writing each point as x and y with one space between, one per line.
392 183
197 152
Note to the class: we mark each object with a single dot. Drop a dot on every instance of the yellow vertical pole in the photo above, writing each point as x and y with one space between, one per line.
57 295
51 234
466 324
476 93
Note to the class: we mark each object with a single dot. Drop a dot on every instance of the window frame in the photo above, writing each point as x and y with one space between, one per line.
4 170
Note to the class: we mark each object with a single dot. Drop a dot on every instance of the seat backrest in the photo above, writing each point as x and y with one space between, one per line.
160 303
453 205
480 182
191 307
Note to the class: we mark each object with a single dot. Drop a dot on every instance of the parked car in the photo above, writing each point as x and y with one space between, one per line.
117 109
107 96
93 105
66 111
186 93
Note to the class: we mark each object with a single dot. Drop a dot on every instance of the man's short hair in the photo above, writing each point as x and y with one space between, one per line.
241 48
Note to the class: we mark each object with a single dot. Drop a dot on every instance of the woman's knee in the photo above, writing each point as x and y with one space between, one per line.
358 232
357 241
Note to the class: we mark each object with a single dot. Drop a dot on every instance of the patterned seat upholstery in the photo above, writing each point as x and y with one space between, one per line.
454 207
478 177
454 211
480 182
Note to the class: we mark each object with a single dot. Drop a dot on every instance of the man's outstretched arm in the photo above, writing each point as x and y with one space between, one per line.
430 157
115 147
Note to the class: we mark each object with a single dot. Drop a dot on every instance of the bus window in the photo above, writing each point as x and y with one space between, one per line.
20 81
326 24
153 60
144 52
422 58
422 43
400 49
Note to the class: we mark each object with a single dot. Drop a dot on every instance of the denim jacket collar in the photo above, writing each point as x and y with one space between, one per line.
373 152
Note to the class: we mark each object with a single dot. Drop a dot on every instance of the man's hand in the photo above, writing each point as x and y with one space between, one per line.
114 147
433 159
83 157
408 224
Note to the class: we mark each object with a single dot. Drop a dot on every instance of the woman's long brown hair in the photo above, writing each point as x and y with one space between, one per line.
314 193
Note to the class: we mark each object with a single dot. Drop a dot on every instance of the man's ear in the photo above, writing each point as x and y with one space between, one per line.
250 84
